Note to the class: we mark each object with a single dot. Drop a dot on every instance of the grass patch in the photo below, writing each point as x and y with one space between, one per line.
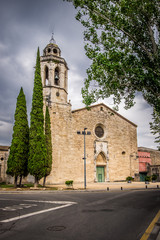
5 185
26 186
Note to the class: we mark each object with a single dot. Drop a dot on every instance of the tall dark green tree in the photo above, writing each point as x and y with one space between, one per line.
18 156
123 43
37 146
155 127
48 162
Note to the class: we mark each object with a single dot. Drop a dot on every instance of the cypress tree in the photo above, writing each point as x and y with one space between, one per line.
18 157
48 162
37 146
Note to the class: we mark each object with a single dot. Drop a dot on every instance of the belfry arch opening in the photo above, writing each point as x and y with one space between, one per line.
56 77
46 76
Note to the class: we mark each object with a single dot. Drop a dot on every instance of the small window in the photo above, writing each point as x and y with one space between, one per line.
55 50
99 131
49 50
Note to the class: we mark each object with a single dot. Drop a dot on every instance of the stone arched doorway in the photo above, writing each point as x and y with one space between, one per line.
101 164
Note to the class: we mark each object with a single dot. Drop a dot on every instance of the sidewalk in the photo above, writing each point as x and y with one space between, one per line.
91 187
110 186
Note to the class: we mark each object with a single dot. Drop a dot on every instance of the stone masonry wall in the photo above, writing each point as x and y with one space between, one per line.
120 139
4 153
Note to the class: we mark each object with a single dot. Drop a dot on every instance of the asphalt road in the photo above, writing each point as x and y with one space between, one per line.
122 215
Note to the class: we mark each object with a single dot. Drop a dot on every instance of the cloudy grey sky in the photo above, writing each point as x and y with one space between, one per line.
25 25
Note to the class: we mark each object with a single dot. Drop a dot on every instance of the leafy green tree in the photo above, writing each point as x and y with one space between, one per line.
48 162
123 43
37 146
18 156
155 127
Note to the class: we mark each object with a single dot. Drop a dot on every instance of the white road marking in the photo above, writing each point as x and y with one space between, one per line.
54 202
18 207
8 209
34 213
65 204
28 205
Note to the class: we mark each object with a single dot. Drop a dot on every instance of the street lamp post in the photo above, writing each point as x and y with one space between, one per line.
84 133
84 158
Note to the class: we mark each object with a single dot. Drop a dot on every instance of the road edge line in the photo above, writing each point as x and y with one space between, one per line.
150 227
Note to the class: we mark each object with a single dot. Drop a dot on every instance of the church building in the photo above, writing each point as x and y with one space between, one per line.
106 139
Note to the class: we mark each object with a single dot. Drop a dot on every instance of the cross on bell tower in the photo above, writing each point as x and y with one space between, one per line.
52 40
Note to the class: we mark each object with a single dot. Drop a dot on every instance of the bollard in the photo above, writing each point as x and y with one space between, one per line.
157 186
121 188
146 186
107 188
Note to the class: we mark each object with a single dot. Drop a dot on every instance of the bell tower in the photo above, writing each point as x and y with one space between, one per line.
54 73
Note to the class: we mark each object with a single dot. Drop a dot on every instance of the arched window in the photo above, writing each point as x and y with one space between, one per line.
56 76
55 51
46 76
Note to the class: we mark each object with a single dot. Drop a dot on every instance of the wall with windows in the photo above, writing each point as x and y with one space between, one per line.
113 137
111 148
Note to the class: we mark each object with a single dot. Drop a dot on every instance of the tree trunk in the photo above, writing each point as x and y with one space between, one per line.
44 181
20 181
15 181
36 182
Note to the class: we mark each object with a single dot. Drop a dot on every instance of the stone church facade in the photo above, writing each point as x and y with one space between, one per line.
110 140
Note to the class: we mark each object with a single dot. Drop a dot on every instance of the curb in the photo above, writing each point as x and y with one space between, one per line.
18 191
153 230
155 234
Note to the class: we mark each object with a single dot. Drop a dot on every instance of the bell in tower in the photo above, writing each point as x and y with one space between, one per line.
54 73
56 77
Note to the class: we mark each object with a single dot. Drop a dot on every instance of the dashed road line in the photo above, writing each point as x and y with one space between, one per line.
18 207
64 204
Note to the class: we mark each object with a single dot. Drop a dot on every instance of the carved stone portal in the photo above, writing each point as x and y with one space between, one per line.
101 159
